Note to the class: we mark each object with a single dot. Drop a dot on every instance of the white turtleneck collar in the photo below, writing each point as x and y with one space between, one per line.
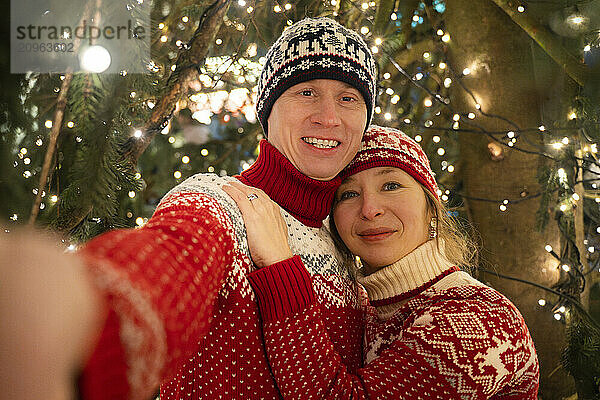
419 267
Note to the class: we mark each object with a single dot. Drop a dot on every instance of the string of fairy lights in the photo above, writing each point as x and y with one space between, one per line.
211 97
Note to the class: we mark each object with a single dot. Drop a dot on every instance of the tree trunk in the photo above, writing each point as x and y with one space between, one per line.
503 81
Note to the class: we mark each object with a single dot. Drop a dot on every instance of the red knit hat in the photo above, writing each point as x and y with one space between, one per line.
389 147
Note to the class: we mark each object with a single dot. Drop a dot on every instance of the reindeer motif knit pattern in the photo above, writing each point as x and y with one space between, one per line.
456 339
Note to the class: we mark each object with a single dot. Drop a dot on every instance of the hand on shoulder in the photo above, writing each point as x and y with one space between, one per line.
266 228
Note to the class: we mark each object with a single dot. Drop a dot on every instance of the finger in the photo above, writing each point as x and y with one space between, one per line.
243 188
263 199
249 189
240 199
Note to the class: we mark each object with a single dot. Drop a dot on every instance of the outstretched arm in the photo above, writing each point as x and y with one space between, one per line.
158 284
49 313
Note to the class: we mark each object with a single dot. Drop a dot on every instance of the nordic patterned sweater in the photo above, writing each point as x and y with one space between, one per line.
181 310
436 333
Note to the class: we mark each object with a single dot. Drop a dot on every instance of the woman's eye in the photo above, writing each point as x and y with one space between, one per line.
347 195
391 186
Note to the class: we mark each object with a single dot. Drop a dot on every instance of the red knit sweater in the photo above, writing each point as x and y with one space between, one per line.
456 339
181 310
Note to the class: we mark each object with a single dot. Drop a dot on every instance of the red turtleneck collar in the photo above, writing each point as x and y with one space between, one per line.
307 199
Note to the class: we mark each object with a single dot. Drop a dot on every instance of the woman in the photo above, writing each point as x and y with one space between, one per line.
432 331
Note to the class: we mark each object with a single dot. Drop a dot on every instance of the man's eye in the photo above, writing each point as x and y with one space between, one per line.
348 98
306 92
391 186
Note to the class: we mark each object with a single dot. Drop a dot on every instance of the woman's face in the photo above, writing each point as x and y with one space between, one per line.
381 214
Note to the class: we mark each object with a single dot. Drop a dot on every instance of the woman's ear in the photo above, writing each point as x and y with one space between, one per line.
431 210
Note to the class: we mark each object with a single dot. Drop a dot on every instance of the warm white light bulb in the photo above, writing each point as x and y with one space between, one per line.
95 59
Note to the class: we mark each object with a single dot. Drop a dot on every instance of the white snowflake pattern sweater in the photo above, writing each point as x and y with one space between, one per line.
181 310
436 333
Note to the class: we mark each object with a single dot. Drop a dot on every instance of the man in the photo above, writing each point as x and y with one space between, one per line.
179 307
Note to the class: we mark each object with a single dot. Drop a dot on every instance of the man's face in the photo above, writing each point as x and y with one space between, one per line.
318 126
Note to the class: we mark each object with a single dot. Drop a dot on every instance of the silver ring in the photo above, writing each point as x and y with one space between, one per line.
252 196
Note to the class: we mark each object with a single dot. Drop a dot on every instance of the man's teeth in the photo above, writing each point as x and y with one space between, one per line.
321 143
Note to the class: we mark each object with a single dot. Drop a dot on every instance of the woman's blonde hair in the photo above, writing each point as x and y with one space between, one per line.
453 240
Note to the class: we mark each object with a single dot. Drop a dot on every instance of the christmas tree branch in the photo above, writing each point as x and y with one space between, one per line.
572 300
57 120
409 56
384 9
190 59
576 69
